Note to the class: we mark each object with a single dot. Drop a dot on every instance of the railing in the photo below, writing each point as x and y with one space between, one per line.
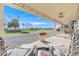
74 39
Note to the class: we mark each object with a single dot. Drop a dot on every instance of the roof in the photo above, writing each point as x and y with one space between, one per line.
60 12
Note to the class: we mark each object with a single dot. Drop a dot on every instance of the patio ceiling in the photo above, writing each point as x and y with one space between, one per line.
62 13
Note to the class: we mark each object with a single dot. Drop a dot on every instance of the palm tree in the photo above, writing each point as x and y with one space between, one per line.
18 17
23 25
13 23
9 17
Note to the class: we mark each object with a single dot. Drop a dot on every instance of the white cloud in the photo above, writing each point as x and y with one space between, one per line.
37 23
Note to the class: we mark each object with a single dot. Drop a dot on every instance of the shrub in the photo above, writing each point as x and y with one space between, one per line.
13 31
25 30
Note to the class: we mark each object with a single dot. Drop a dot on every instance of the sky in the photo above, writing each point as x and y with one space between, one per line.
35 21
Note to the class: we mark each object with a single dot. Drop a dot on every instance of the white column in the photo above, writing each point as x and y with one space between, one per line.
2 46
1 20
54 26
62 28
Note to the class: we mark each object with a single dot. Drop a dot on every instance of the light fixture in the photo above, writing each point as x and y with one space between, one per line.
60 15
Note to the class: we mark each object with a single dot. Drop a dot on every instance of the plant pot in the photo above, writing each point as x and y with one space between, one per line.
42 36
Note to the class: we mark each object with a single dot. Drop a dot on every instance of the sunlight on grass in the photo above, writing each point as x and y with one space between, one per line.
20 33
12 34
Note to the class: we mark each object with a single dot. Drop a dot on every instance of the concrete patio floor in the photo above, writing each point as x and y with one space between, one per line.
60 41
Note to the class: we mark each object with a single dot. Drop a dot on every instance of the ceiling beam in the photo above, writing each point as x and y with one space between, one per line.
29 9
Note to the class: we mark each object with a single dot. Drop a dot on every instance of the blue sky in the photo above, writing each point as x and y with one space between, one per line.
37 22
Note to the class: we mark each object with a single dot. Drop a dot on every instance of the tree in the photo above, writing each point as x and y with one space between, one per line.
66 26
13 23
28 25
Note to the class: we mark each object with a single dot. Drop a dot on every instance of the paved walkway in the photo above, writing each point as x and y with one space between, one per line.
14 41
60 41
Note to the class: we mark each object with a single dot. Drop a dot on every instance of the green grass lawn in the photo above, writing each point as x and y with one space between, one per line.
36 30
12 34
42 31
20 33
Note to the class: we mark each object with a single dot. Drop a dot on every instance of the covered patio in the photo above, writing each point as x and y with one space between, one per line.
61 13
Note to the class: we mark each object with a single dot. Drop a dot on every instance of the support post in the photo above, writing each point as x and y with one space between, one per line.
62 28
1 20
